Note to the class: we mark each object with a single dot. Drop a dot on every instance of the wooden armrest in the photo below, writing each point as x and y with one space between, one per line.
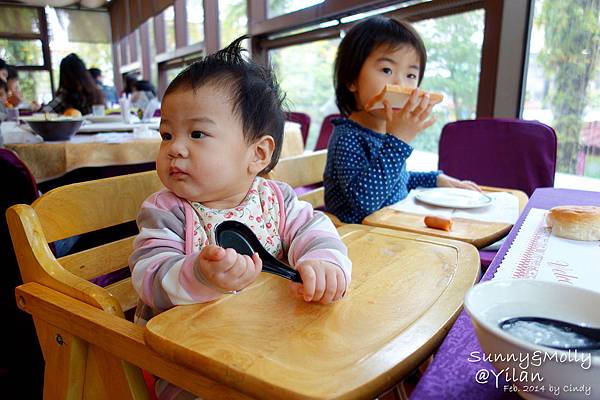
114 335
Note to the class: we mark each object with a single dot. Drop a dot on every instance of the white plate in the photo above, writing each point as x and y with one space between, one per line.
103 118
453 198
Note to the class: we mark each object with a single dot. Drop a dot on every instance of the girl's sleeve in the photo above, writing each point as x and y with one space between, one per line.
367 175
308 234
422 179
161 272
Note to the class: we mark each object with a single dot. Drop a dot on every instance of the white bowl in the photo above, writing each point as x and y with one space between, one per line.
538 372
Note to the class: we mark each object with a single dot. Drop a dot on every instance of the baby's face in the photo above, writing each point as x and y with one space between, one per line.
385 65
203 156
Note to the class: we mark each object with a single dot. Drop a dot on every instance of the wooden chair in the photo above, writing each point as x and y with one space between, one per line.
305 174
73 368
91 351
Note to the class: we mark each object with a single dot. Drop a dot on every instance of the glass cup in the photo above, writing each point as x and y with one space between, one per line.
98 110
12 114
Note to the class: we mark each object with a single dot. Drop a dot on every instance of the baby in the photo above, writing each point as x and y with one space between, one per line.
222 130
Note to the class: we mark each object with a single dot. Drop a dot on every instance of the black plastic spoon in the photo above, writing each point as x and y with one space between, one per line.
590 336
237 236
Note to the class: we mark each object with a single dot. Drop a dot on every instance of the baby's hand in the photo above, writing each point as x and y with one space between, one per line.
444 180
321 281
411 119
226 269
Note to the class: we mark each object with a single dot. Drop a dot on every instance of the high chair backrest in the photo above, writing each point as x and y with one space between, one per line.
509 153
305 174
74 210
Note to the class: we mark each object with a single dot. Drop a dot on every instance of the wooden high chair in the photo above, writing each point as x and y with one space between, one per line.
406 291
305 174
88 346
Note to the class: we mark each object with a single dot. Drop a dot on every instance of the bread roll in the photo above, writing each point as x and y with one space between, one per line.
575 222
397 96
72 112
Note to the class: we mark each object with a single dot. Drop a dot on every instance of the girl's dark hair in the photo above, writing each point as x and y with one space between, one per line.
144 86
77 86
254 92
359 43
3 85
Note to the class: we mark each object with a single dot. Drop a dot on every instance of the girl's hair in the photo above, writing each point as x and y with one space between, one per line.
254 92
359 43
4 86
77 86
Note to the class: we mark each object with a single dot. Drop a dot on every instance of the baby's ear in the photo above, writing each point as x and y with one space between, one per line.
263 150
351 87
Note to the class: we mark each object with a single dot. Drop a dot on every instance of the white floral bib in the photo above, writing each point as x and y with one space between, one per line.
259 211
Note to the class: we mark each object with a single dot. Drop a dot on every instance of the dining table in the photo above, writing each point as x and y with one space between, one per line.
479 233
455 373
123 145
405 292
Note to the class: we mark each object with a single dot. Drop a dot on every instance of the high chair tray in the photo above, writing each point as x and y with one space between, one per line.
406 290
477 233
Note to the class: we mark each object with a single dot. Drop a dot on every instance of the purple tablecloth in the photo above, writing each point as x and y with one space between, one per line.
452 375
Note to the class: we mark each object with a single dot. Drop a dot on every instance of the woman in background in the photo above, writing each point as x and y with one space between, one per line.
76 88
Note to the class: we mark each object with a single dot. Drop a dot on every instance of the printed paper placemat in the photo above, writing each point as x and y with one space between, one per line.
537 254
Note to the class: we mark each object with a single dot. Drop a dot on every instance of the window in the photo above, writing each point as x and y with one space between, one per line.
563 81
279 7
19 20
169 15
94 50
305 74
453 46
35 85
21 52
21 44
233 20
195 21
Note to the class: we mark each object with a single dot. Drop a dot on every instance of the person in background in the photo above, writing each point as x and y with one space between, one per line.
15 97
3 70
3 98
110 94
143 91
130 79
76 88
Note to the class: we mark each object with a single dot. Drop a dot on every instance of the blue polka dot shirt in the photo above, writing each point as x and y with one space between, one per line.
366 171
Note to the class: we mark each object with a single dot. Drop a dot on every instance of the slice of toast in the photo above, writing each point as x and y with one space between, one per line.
397 96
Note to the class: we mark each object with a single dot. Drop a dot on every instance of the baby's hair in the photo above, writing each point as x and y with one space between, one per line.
4 86
255 95
359 43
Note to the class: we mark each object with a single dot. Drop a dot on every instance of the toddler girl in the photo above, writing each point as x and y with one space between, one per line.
367 152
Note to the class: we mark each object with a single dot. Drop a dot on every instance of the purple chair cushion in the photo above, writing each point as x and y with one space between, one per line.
304 121
508 153
325 133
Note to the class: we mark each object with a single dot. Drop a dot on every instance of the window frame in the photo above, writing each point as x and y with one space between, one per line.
42 36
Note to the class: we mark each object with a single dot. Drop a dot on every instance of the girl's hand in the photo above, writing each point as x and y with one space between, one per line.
226 269
411 119
444 180
322 281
